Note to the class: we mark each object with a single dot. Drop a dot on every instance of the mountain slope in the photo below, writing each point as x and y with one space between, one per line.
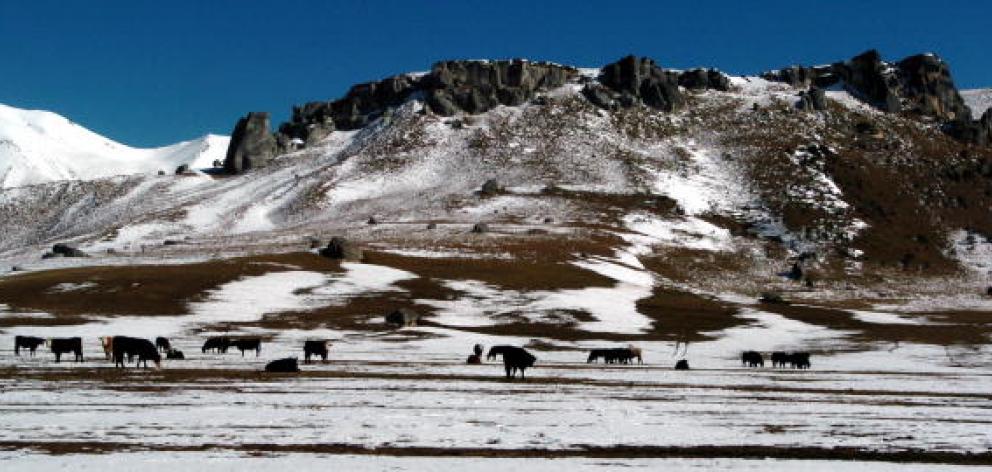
725 192
38 147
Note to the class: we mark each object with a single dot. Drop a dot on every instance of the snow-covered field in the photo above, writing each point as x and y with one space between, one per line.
410 390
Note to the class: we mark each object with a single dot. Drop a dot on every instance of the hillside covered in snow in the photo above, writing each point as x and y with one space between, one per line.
38 147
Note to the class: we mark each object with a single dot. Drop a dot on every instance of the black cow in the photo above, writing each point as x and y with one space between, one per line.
288 364
175 354
779 359
314 348
30 343
682 365
799 360
752 359
162 344
248 344
217 343
128 347
514 358
63 345
597 354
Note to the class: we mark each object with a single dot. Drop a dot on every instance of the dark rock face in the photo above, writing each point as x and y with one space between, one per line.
403 317
252 146
450 88
702 79
977 132
921 84
632 80
928 88
866 75
814 99
340 248
479 86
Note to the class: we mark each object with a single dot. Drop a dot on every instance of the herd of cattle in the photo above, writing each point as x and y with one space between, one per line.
121 348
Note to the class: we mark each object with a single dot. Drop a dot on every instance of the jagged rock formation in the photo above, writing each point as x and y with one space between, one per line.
477 86
252 145
920 84
450 88
634 80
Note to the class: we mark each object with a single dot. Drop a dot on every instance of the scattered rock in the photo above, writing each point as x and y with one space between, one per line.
67 251
771 297
340 248
286 365
252 146
403 317
480 228
490 188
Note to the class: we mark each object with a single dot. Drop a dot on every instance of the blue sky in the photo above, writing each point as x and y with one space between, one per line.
149 73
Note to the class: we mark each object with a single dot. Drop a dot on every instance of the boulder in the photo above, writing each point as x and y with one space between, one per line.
491 187
286 365
252 145
65 250
183 169
372 221
340 248
402 317
431 225
480 228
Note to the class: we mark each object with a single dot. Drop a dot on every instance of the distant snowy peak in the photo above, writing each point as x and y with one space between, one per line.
40 146
978 100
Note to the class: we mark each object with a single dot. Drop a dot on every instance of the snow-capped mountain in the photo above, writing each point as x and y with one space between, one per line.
39 146
978 100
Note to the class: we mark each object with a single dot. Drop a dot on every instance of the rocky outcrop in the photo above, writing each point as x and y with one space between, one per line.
479 86
702 79
977 132
252 145
634 80
928 89
814 99
450 88
920 84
